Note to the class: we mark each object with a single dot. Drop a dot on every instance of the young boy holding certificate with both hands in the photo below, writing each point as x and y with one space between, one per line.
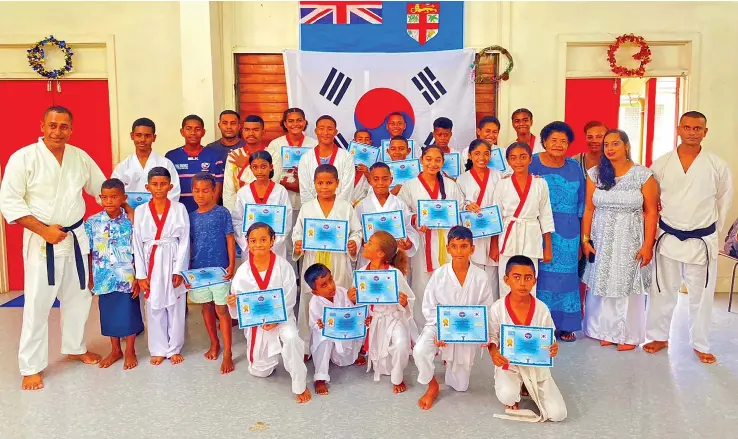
361 186
521 308
263 271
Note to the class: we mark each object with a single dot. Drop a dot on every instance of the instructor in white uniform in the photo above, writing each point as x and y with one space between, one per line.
696 193
42 191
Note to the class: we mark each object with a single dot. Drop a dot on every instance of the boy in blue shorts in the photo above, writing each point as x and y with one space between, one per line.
212 245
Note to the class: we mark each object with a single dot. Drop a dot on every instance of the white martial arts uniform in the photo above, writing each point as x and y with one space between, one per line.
390 333
344 163
432 252
325 350
134 176
360 190
277 196
523 231
537 380
166 305
537 145
690 200
340 264
265 347
275 149
444 289
234 178
474 193
36 185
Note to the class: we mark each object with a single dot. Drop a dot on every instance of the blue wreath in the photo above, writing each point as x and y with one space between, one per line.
36 57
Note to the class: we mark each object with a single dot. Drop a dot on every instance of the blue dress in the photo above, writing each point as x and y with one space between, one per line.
558 281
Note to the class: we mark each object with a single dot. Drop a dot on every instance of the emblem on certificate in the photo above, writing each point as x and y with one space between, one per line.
136 199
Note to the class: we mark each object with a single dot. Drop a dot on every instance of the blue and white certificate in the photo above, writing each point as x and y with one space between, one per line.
366 155
260 307
392 222
451 164
272 214
527 345
404 170
386 144
291 156
344 323
324 235
462 324
487 222
438 214
376 287
496 160
136 199
204 277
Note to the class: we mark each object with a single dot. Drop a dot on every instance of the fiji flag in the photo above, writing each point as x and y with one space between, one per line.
388 27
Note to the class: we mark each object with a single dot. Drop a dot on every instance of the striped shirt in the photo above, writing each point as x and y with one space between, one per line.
187 165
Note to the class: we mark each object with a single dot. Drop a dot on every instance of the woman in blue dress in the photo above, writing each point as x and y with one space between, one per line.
558 281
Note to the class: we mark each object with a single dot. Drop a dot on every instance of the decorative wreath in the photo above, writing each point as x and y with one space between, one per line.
488 52
643 55
36 58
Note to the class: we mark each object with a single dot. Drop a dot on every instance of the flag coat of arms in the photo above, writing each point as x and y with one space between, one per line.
361 90
422 21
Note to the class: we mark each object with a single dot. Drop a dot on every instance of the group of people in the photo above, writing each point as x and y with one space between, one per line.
598 219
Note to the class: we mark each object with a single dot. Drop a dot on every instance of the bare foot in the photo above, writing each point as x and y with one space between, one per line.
227 365
130 361
705 358
655 346
321 387
87 358
157 360
212 353
32 382
626 347
176 358
110 359
606 343
512 407
304 396
360 361
399 388
426 401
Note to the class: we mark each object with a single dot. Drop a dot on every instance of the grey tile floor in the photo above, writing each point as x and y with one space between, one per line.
608 394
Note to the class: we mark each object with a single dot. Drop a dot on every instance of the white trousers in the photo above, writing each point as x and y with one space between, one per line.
324 352
425 352
493 277
504 289
303 315
671 275
398 355
33 354
507 389
166 328
418 282
291 352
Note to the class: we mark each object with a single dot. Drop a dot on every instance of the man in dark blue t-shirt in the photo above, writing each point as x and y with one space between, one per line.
229 124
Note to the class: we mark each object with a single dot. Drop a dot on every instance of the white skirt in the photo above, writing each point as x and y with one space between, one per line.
620 320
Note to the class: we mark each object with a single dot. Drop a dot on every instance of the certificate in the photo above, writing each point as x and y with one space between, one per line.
385 157
526 345
462 324
291 156
204 277
136 199
344 323
451 164
366 155
260 307
438 214
404 170
324 235
376 287
392 222
272 214
496 160
487 222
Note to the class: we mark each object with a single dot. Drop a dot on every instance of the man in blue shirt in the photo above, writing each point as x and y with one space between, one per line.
229 124
193 158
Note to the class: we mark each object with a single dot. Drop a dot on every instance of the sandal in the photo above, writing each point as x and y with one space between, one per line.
567 337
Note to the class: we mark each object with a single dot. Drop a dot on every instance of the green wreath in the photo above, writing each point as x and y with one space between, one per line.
36 58
488 52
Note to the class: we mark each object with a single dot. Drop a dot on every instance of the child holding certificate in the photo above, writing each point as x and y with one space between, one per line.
526 212
399 149
457 283
520 308
262 191
325 213
361 186
161 238
432 254
478 185
388 341
323 349
268 271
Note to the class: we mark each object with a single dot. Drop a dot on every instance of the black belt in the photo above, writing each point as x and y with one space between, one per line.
77 257
684 235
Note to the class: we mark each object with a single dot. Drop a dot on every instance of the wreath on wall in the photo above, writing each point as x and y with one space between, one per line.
37 58
643 55
489 52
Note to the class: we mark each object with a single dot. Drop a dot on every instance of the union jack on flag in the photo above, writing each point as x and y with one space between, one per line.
340 12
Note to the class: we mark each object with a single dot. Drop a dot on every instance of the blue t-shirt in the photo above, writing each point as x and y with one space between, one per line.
209 160
225 150
208 232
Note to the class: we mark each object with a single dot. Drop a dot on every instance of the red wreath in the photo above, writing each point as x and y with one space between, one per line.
643 55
